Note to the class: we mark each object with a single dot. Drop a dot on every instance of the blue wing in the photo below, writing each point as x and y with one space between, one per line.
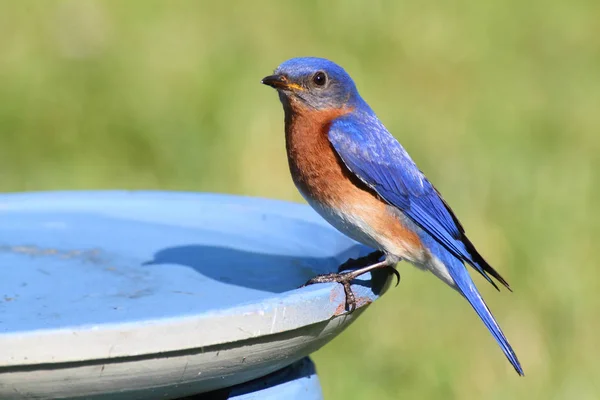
377 158
372 154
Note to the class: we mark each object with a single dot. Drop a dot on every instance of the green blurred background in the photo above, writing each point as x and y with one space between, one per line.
498 102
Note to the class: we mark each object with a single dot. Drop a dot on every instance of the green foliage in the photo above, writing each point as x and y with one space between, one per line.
498 102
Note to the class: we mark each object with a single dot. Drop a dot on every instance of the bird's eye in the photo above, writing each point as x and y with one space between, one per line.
320 79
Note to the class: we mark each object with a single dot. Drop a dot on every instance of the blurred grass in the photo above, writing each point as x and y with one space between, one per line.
498 102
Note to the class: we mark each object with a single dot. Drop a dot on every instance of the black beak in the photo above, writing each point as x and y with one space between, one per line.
275 81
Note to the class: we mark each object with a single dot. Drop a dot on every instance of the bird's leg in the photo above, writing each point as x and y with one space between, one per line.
354 263
371 258
346 277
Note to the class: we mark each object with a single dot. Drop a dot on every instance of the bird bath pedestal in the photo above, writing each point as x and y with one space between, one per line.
154 295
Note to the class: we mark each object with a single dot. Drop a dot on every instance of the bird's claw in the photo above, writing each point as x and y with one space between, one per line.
371 258
344 279
396 274
350 299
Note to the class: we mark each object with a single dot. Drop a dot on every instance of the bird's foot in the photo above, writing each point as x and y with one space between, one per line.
346 277
343 278
355 263
369 259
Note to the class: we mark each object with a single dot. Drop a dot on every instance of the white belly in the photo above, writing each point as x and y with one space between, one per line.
349 224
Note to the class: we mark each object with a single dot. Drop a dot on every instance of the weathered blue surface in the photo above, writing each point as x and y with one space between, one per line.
69 259
162 295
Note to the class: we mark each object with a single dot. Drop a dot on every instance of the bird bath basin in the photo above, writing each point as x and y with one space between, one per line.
160 295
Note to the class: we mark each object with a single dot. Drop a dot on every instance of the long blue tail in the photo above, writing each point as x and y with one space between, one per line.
466 287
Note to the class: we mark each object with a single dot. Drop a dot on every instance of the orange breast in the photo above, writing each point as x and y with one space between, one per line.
322 177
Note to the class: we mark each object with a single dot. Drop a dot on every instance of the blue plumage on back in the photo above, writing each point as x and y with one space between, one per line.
379 160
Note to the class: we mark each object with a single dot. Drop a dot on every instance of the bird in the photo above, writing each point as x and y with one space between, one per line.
354 173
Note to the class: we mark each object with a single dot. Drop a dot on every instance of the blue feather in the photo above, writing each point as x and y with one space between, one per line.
467 288
379 160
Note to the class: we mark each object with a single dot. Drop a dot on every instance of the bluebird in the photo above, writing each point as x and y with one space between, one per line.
359 178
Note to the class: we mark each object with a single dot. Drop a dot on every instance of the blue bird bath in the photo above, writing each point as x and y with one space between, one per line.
156 295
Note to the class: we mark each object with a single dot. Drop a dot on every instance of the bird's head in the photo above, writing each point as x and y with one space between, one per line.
314 82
